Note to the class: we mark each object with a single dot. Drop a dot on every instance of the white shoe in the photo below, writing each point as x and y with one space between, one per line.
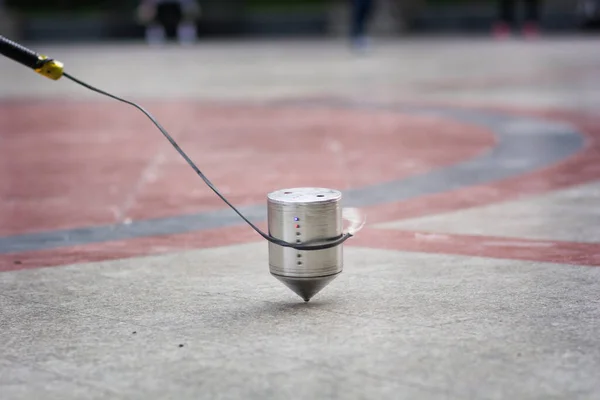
186 34
155 35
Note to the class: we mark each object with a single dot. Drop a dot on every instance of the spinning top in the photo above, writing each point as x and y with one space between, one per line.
303 215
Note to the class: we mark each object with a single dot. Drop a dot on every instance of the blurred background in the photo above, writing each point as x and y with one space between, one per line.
97 20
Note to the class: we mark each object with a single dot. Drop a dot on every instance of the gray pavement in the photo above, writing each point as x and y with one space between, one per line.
539 217
393 325
560 72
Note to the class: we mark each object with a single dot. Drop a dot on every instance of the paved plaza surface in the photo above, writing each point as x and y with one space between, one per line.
477 163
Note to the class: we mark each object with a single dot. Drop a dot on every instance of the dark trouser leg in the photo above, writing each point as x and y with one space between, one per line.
506 10
169 15
361 11
532 10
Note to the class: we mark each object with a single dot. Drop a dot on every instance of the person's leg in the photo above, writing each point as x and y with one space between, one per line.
532 17
361 12
369 6
506 18
355 28
169 15
532 11
155 34
186 30
507 11
146 14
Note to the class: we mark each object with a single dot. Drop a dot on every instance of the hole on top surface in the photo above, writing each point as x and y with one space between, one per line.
320 195
287 192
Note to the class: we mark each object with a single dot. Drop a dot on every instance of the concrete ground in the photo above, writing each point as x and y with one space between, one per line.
122 276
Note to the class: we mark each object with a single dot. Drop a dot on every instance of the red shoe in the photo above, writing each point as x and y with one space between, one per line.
501 30
531 30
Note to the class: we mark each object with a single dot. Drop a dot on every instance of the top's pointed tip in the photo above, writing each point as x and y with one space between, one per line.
306 288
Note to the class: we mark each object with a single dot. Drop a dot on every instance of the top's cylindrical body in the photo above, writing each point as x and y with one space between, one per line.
299 215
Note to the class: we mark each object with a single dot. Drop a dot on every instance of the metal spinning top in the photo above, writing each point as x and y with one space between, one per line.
301 215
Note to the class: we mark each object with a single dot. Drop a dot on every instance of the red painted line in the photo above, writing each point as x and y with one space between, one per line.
128 248
585 254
